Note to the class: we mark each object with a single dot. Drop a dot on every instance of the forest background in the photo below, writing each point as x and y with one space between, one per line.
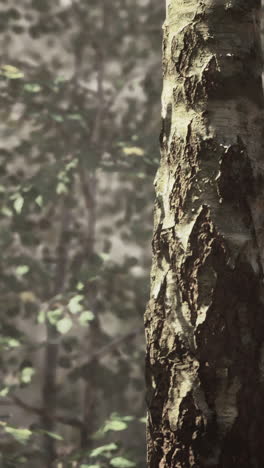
80 86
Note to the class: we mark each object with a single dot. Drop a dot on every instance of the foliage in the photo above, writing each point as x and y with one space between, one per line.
79 109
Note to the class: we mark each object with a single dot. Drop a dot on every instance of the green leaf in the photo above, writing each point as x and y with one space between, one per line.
39 201
143 420
90 466
6 212
12 343
133 151
54 316
21 435
103 449
71 165
80 286
64 325
74 304
21 460
11 72
127 418
41 316
4 392
61 188
18 204
120 462
7 342
57 117
22 270
27 374
32 87
63 176
105 256
74 116
60 79
53 435
86 317
115 426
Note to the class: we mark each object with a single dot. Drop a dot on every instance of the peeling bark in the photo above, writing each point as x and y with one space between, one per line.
205 318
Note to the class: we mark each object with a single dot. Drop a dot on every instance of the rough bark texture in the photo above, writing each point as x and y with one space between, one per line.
205 318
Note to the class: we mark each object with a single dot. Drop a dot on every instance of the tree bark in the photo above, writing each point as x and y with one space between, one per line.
205 318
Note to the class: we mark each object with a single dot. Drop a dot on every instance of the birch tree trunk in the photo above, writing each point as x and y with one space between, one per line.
205 318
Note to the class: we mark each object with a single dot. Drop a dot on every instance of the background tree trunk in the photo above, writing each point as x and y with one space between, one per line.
205 319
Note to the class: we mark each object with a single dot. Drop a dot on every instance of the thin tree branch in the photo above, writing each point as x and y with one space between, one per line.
49 388
108 347
66 420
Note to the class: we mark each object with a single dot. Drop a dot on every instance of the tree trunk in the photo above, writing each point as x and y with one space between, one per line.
205 318
51 354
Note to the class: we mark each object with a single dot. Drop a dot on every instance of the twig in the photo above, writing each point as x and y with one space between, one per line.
66 420
105 349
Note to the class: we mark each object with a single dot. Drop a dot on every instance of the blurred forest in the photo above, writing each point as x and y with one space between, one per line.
80 84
